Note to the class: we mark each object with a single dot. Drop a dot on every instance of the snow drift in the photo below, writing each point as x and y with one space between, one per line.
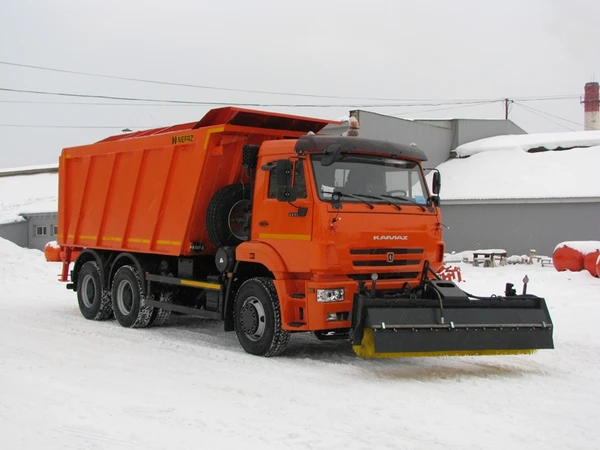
527 142
515 174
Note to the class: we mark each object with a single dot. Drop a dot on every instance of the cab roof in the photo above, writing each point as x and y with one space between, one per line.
311 143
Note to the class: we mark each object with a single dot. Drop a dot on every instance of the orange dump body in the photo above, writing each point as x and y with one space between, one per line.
148 191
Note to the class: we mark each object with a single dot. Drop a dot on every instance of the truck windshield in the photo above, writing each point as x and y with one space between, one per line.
371 177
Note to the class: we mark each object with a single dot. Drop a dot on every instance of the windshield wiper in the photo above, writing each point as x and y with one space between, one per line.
405 199
341 194
380 197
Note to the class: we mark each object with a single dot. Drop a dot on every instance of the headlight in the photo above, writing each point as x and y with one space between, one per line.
330 295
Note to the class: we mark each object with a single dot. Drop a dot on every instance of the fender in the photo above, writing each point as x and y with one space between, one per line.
118 262
262 253
85 256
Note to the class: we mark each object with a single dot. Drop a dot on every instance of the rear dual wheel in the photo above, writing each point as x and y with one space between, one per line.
94 301
124 299
127 299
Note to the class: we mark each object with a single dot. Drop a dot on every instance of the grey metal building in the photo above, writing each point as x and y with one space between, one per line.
519 225
34 231
436 137
28 228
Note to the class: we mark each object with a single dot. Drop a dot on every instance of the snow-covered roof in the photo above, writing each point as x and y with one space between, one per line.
29 169
517 174
527 142
27 194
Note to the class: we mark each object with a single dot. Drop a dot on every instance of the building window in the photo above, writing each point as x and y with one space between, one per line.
54 230
41 230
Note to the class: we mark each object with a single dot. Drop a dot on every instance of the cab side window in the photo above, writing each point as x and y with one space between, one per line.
299 181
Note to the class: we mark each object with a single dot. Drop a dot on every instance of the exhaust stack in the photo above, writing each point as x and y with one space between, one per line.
591 108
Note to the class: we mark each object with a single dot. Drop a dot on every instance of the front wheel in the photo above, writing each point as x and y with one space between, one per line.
257 318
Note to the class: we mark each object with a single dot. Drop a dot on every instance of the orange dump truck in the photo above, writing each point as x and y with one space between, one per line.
256 220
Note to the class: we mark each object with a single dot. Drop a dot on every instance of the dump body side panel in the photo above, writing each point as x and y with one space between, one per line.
137 195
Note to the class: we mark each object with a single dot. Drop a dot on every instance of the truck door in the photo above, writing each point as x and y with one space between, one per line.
286 226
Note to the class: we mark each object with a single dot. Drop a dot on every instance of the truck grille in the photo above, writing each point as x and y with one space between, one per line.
382 263
385 251
385 257
384 276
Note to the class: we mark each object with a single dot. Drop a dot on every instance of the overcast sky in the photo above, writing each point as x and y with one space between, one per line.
433 50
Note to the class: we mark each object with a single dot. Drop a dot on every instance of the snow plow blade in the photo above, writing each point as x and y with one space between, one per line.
450 325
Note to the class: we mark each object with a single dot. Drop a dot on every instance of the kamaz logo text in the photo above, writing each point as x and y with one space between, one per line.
390 238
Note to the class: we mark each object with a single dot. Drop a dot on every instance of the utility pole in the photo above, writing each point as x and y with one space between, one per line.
506 103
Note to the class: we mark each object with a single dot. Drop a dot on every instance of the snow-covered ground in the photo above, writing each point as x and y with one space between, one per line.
66 382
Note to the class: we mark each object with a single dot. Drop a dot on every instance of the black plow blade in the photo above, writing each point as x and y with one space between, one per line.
470 327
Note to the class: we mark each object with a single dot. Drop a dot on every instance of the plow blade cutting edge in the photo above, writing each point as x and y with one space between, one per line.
450 326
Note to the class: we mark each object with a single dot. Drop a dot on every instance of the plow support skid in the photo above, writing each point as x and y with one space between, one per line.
461 326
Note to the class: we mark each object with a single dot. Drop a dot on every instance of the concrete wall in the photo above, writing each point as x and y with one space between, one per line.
517 228
434 141
15 232
469 130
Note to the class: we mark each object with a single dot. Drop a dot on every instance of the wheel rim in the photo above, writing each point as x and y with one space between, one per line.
125 297
253 319
239 220
88 291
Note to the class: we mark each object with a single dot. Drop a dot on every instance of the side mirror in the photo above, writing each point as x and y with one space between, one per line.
437 183
283 172
332 154
287 194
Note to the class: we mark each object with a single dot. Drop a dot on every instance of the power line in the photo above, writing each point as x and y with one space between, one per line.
445 109
120 127
532 110
35 102
543 117
197 86
294 94
206 103
551 115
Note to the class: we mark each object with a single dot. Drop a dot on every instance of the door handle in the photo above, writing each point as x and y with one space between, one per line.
263 223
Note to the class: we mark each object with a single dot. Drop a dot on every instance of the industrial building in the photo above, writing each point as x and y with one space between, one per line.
522 193
437 137
28 205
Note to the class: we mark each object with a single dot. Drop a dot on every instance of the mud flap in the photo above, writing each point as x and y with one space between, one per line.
518 324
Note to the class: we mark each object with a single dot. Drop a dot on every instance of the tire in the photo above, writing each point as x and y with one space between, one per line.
257 318
227 210
160 316
94 300
127 299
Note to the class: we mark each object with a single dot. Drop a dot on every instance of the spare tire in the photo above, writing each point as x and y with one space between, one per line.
228 216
